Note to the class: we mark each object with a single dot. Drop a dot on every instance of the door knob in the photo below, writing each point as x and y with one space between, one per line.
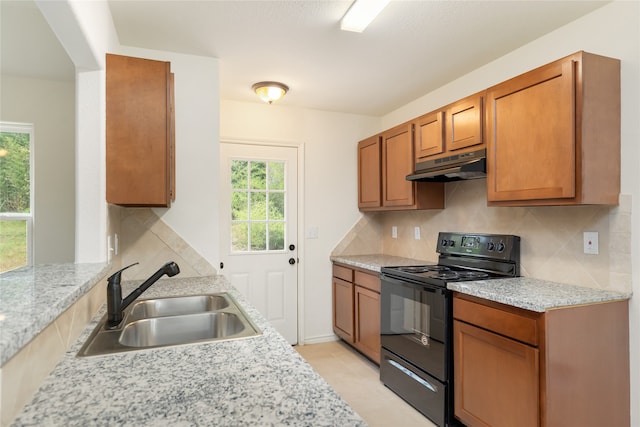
292 261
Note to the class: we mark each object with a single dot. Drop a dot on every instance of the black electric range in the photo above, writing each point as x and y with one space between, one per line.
416 316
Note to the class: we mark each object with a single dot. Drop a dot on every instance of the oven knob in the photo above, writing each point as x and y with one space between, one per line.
491 246
500 247
452 243
444 242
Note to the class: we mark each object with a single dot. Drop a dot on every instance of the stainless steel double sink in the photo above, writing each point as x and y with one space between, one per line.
172 321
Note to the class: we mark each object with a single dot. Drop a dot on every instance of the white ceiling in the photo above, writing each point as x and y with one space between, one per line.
410 49
28 46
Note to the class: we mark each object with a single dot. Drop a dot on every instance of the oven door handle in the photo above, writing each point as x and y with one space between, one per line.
413 376
404 282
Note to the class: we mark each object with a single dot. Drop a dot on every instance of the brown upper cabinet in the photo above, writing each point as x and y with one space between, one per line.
384 161
457 127
553 134
397 161
430 135
369 173
140 150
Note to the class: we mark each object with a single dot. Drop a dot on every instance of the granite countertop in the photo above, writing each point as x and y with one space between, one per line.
258 381
31 298
534 294
377 261
524 292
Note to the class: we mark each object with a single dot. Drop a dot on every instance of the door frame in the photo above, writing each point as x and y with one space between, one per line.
299 146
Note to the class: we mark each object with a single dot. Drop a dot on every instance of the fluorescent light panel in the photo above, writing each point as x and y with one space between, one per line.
361 13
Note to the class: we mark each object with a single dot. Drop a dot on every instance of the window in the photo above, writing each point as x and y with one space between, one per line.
257 206
16 195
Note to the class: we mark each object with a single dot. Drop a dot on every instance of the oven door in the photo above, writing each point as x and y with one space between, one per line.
413 323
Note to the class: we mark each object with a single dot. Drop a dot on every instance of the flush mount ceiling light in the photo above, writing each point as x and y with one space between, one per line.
270 91
361 13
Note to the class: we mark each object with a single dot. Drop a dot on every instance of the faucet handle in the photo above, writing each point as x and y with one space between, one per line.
115 277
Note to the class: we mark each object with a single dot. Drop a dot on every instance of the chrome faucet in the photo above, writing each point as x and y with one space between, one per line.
115 303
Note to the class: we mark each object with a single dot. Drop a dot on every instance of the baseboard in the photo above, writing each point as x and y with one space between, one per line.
319 339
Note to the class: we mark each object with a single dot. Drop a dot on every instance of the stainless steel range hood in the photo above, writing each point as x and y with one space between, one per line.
470 165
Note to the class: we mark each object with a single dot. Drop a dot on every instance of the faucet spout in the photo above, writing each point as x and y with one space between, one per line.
115 303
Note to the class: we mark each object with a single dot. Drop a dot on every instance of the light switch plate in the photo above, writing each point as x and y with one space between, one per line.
394 232
416 233
311 232
591 242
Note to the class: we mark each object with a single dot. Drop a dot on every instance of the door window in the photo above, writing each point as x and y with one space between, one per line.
257 206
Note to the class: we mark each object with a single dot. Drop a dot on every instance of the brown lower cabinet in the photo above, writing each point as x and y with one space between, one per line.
356 309
564 367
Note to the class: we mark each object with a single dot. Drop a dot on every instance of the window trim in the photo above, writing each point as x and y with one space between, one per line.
14 127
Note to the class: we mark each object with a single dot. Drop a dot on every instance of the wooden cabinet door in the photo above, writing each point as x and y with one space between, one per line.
429 137
496 379
369 173
531 150
367 314
139 131
397 163
343 309
464 123
367 311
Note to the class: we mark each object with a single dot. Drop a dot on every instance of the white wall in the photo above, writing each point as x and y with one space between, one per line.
49 105
612 30
86 31
194 214
329 187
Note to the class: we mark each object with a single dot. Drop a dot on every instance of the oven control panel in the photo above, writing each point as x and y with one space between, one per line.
497 246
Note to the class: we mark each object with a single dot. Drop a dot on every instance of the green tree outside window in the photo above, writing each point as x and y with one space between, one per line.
257 205
15 195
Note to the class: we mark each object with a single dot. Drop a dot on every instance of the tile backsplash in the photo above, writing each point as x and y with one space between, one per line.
146 239
552 236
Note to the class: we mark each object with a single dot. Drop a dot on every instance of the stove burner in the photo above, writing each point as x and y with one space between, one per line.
423 268
473 274
466 275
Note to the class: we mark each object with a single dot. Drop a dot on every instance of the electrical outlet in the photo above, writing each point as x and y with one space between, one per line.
394 232
591 242
416 233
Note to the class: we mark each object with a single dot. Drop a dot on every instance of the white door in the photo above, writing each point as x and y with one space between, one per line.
258 229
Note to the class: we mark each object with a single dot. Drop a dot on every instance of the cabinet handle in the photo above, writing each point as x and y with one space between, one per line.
413 376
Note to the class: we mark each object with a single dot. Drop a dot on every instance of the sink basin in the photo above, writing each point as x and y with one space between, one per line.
176 306
172 321
179 329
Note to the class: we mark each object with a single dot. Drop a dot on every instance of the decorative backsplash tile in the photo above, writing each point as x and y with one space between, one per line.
552 236
146 239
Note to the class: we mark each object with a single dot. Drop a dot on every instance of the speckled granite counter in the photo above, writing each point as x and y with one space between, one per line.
524 292
376 262
534 294
33 297
258 381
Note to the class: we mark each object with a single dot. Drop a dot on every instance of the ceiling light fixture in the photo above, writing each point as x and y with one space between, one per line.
361 13
270 91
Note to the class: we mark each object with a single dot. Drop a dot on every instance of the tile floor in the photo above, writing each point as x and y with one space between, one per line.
356 379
